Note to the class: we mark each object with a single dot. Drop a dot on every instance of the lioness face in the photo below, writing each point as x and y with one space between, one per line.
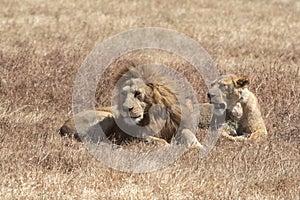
225 92
134 105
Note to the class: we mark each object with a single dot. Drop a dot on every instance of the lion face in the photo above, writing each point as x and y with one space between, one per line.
134 103
226 92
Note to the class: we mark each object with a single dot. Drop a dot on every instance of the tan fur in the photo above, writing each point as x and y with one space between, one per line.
230 94
147 98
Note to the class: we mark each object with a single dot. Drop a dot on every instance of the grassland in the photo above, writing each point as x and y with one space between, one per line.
42 45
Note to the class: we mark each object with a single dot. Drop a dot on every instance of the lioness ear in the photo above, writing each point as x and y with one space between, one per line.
241 81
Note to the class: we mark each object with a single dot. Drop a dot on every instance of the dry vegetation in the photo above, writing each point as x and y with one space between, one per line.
42 45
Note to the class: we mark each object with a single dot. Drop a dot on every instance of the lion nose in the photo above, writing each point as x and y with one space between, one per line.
126 108
210 96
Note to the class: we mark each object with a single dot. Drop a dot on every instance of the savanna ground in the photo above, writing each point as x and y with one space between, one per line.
42 45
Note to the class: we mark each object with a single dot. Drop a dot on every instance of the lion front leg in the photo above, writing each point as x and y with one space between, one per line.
256 127
156 140
227 132
256 135
187 138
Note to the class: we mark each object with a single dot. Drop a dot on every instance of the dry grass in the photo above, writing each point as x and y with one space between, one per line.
42 45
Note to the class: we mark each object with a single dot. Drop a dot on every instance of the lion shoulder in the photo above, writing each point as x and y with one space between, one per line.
253 119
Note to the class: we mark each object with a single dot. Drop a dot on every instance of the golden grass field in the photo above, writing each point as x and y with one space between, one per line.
42 45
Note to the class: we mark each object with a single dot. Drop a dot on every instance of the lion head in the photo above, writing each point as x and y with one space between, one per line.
226 91
148 103
135 101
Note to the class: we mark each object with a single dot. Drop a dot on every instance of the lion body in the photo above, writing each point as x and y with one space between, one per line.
243 120
252 121
146 105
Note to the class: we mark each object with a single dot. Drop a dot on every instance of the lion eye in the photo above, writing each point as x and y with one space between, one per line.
137 94
222 85
123 94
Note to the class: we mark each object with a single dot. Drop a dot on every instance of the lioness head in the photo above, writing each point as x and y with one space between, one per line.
226 91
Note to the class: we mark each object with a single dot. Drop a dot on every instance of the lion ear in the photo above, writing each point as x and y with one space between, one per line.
151 85
241 81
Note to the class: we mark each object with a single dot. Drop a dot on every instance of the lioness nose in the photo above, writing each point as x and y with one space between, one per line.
208 96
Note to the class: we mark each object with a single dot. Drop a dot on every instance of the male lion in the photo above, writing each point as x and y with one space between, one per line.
229 95
148 104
